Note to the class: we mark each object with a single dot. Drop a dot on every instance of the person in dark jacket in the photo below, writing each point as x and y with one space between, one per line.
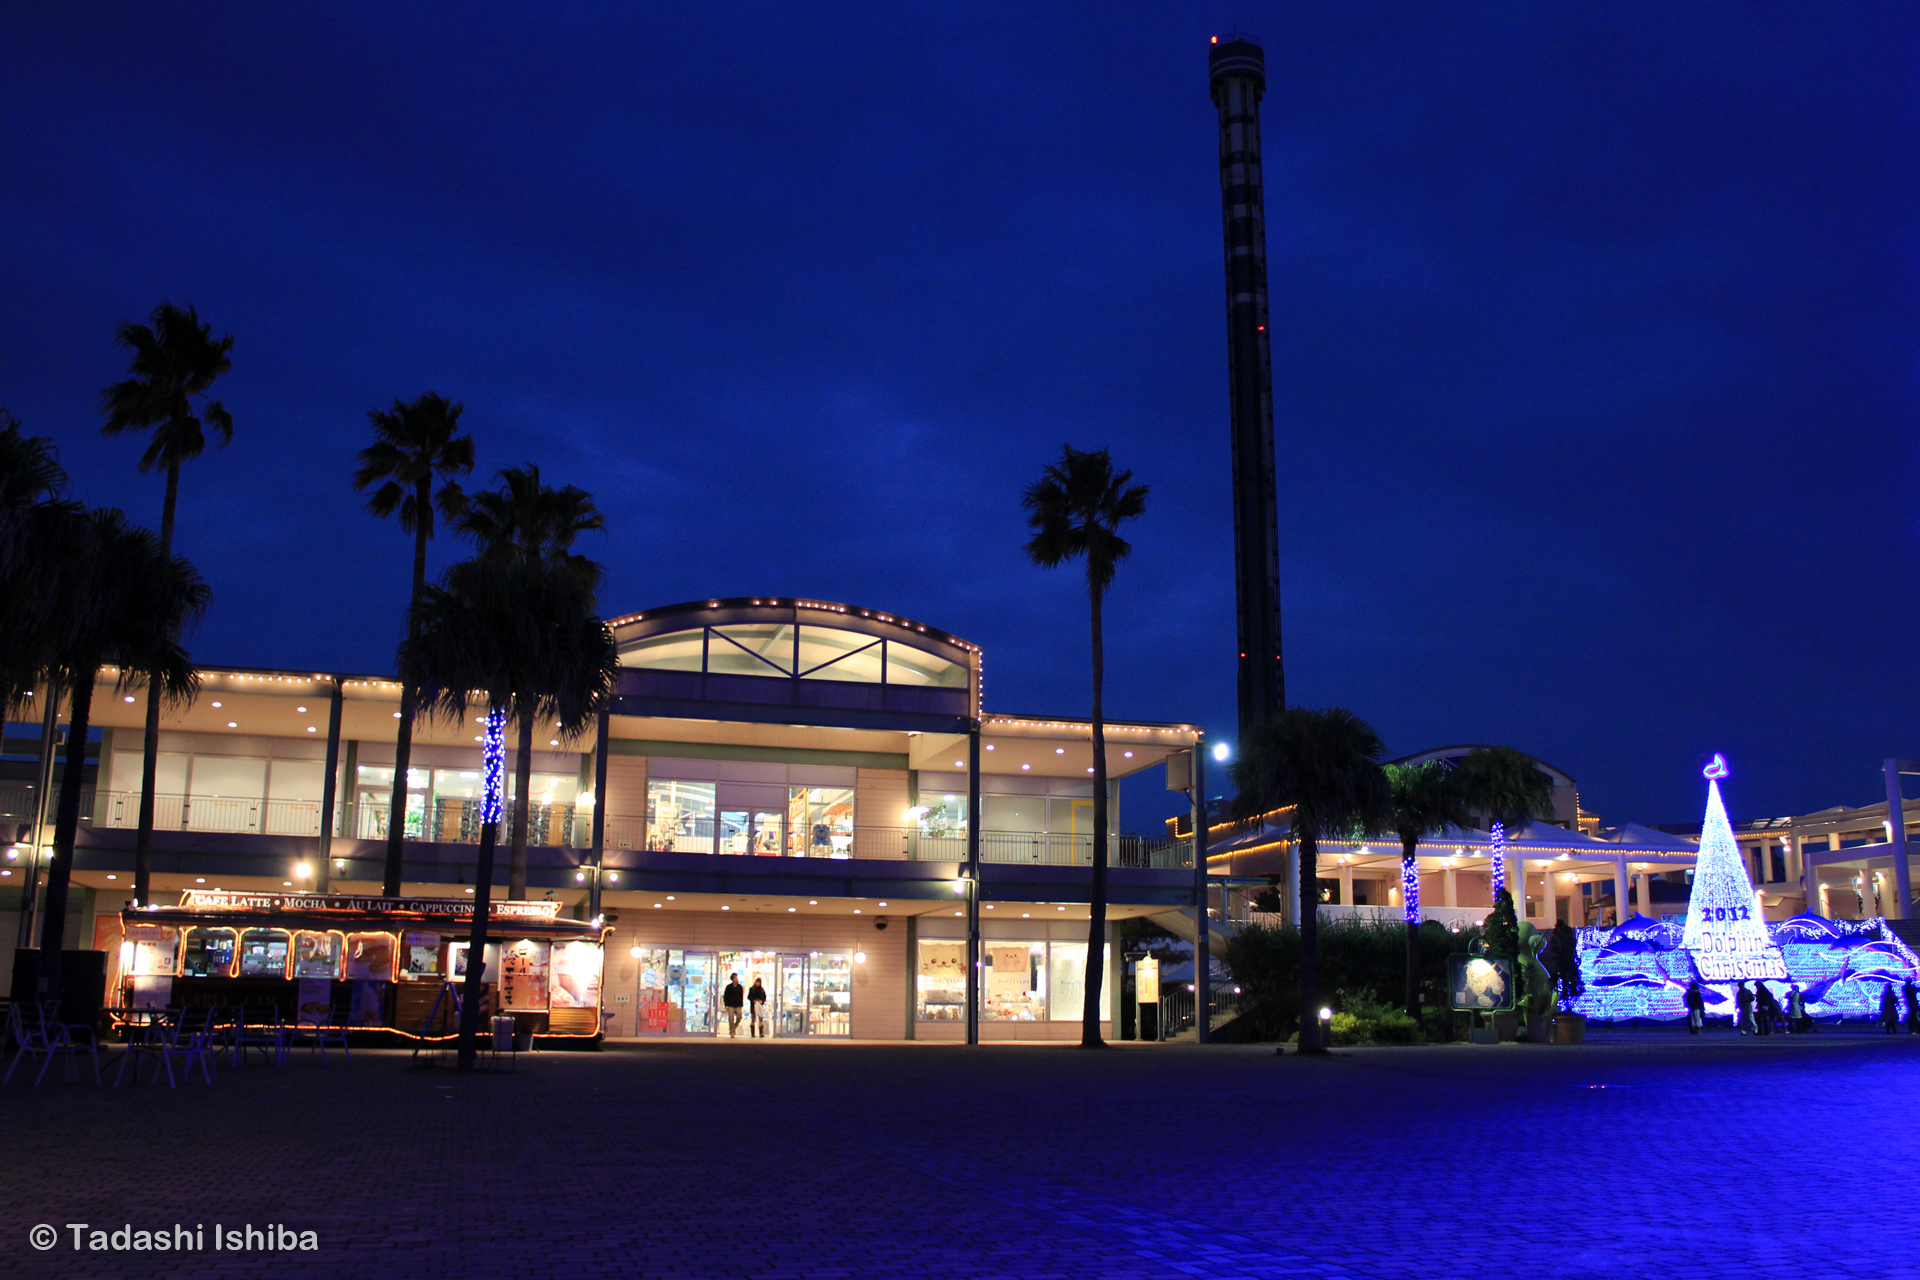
1696 1008
1743 1010
757 1008
1889 1009
731 999
1797 1016
1769 1008
1913 1010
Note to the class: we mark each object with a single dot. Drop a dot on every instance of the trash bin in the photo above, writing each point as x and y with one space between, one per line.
503 1037
523 1037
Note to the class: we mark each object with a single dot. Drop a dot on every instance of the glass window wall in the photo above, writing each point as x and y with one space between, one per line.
815 653
820 822
680 816
1020 981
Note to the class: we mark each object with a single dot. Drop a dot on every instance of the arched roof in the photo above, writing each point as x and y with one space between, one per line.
744 643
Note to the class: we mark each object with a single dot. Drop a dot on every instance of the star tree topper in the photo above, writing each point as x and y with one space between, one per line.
1726 933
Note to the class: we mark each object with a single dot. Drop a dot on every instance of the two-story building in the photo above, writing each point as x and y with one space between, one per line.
783 789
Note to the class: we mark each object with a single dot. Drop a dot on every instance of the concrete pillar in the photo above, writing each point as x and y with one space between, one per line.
1902 878
1620 883
973 888
1450 888
1346 884
1202 976
329 789
1293 884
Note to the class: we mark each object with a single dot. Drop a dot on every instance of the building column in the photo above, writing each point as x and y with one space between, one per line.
601 733
1620 882
1449 888
1202 943
42 784
1293 882
1897 837
1346 884
330 788
973 884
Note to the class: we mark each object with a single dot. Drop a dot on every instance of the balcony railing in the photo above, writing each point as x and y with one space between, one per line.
457 821
902 844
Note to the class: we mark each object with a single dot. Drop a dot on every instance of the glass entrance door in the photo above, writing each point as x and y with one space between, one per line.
791 1020
693 996
764 965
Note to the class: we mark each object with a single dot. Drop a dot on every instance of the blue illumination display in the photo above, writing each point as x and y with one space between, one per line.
1641 969
1410 889
1498 852
493 755
1726 931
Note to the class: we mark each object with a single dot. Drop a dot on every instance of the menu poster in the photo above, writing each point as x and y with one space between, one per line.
576 976
457 958
1011 976
369 1003
152 991
370 955
423 952
316 955
524 967
316 1002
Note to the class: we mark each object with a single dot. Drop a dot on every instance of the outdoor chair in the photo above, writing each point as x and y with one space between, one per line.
190 1038
262 1029
330 1030
34 1030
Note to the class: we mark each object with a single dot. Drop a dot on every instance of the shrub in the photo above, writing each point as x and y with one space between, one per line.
1359 960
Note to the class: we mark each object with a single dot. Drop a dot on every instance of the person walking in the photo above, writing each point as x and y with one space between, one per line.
1797 1016
1743 1009
1913 1010
731 999
1769 1008
757 1008
1696 1008
1889 1009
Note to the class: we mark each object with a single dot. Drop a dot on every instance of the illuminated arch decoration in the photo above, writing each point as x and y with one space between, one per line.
1726 934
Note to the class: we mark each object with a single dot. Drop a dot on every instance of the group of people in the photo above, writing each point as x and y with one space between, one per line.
755 1000
1759 1012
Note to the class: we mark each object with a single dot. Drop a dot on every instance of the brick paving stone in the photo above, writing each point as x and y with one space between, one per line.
1635 1155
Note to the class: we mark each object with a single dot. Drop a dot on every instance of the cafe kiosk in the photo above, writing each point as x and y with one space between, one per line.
372 963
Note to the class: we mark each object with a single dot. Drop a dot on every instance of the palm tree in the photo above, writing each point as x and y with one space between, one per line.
1511 790
32 483
415 443
1426 799
175 361
523 638
526 522
1075 509
136 602
1326 766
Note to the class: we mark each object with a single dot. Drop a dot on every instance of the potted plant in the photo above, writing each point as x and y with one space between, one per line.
1564 959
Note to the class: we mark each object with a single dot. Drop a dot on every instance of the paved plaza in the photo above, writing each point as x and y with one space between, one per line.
1637 1155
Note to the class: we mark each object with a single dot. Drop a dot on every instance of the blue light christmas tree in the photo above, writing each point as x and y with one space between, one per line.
1726 933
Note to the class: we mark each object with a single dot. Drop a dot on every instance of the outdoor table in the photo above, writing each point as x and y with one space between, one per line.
143 1026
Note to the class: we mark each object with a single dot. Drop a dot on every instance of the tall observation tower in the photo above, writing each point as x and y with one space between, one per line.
1239 77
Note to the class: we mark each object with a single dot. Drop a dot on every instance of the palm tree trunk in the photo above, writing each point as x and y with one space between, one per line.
1097 891
66 824
522 784
150 738
403 740
1412 909
477 946
482 896
1309 942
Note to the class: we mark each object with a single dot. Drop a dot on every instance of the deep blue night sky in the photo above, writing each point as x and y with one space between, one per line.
1595 336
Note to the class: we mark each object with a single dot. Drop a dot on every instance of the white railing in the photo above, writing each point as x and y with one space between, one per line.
212 813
